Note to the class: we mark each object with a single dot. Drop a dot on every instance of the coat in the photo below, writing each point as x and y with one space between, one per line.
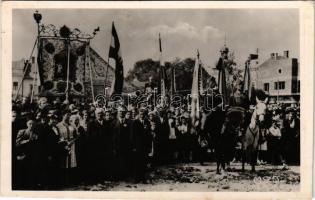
122 130
100 142
68 134
26 144
140 139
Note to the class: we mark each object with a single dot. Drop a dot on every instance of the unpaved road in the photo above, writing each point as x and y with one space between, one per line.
193 177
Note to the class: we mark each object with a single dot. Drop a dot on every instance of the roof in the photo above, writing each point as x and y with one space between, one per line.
271 62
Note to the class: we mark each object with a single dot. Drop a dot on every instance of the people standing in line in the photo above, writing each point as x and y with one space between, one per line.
68 162
275 144
184 130
122 132
52 150
95 130
291 138
162 137
80 150
172 141
16 127
140 145
27 155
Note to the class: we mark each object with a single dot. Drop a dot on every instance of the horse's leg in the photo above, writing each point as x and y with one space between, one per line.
243 160
217 154
243 152
253 160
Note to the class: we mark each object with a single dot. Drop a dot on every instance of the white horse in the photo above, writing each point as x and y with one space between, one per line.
253 133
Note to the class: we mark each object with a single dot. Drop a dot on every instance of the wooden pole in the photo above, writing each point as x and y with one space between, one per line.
91 76
68 69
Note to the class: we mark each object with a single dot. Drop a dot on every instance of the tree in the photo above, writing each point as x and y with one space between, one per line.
143 69
184 68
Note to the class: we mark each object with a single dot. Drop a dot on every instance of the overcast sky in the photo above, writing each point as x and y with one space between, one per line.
182 31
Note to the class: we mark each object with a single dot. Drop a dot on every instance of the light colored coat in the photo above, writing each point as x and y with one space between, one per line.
68 133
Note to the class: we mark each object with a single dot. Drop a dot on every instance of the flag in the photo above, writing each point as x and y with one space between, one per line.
201 91
194 114
173 81
162 70
247 83
115 53
222 79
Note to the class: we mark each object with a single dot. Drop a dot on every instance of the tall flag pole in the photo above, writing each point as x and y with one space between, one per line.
162 71
194 114
115 53
247 82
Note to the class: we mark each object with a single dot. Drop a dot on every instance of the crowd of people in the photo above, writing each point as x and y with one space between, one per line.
55 145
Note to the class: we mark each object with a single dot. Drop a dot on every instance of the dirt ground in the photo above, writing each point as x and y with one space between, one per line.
194 177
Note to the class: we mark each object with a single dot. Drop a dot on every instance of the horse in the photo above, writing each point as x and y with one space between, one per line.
254 135
234 129
228 136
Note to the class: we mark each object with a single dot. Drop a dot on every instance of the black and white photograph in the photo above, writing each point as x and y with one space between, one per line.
156 100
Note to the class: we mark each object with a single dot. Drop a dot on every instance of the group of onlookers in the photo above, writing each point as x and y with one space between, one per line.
55 145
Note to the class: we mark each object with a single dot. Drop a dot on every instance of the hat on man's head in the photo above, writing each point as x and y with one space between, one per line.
75 111
152 113
52 116
142 109
99 110
121 109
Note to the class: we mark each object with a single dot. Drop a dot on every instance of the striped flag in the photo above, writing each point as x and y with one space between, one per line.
194 114
247 83
162 70
115 53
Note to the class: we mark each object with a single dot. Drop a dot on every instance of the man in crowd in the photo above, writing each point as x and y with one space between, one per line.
122 129
140 145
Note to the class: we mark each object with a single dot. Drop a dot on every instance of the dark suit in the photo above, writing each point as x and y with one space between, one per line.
141 146
163 132
50 152
100 145
122 130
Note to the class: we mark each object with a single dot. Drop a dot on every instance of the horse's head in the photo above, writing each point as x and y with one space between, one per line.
261 108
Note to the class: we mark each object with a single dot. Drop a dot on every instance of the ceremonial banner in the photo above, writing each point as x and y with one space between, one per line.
115 53
162 70
53 59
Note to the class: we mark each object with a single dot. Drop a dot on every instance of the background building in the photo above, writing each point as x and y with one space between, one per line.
278 76
18 69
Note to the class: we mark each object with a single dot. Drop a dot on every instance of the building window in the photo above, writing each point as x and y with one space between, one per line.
15 85
266 87
280 85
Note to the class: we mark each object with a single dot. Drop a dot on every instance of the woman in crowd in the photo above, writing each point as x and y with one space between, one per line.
68 161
